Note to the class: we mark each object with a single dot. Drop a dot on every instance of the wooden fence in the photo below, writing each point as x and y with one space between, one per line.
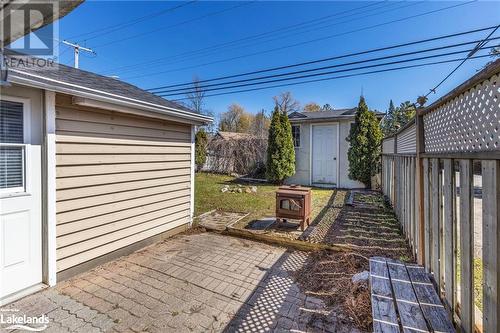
431 187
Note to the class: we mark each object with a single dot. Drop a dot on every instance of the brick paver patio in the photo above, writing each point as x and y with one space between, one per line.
191 283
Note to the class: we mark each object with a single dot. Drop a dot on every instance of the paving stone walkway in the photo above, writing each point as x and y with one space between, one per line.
192 283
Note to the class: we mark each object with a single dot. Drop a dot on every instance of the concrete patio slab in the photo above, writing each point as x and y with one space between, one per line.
190 283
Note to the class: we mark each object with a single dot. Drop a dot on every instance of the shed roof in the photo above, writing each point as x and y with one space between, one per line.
325 115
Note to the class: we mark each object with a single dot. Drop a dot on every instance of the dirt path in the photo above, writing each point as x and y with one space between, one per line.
369 225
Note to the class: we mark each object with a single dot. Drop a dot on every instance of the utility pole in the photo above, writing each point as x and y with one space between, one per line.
77 49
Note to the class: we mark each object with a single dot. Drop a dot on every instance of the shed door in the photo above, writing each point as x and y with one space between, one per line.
20 203
324 154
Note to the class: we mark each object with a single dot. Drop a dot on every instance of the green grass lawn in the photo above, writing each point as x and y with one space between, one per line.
208 196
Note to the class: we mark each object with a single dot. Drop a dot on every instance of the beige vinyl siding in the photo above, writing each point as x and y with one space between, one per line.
407 141
388 146
120 179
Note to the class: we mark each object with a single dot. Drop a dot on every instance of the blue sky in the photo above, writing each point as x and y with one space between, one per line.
173 37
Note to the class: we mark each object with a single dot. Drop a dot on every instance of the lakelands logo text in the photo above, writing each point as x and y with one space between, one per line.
16 321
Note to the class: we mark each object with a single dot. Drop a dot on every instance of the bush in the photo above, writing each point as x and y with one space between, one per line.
280 150
200 150
365 138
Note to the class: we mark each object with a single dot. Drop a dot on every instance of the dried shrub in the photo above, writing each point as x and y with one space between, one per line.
242 156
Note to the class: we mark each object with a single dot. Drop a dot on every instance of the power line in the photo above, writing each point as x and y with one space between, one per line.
266 41
337 77
177 24
325 73
478 47
115 27
328 58
315 40
180 90
314 21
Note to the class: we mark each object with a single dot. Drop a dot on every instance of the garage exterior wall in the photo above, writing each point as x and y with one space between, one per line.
120 179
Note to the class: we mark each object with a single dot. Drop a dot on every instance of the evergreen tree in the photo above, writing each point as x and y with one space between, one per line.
389 118
280 150
365 138
200 150
397 117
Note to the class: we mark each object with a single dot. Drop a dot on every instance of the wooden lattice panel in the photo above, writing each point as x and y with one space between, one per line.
470 122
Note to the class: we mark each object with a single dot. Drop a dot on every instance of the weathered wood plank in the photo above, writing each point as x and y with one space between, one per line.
410 314
435 220
491 245
449 236
466 246
427 227
384 315
430 303
383 307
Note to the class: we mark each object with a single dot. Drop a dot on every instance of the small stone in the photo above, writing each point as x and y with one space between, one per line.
253 189
360 277
248 190
224 189
240 190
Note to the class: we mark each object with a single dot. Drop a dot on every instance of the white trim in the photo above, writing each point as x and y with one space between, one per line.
26 145
338 155
193 165
97 94
310 153
50 175
300 136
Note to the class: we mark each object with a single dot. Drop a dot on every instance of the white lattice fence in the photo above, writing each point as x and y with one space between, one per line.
467 123
458 141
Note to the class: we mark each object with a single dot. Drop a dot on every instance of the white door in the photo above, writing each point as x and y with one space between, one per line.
20 202
324 154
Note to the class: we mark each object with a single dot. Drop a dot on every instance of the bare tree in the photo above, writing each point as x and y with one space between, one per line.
260 124
196 97
235 119
286 103
312 107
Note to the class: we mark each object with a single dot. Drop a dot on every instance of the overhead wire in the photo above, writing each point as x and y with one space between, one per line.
337 77
202 86
386 48
322 73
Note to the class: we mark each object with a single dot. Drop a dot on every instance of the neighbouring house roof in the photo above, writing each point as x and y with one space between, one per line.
66 79
234 135
339 114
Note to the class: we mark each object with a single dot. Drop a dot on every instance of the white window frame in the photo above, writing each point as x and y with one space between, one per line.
26 145
300 136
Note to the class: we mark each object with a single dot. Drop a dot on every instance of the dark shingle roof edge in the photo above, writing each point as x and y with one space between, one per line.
340 114
105 90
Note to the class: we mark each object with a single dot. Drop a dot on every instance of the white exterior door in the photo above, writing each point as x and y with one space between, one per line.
20 201
324 154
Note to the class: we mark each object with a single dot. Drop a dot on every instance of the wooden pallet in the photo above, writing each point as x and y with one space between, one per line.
404 299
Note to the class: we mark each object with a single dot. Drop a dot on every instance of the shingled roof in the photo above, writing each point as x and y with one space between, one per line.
69 78
325 115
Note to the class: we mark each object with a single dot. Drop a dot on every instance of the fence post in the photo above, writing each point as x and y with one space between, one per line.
491 244
419 189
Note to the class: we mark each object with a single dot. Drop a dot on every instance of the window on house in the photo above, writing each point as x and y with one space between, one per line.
296 135
12 147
